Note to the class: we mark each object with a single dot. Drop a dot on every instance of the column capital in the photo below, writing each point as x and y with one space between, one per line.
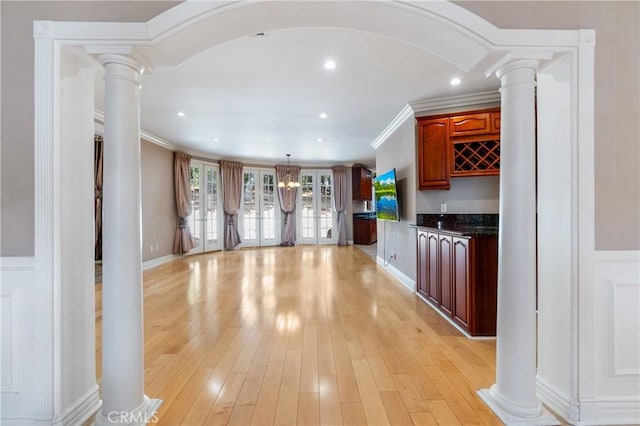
529 59
517 64
111 58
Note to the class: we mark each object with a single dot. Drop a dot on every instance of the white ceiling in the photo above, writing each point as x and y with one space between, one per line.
261 96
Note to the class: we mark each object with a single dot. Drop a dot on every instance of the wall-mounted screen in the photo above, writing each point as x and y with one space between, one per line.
386 194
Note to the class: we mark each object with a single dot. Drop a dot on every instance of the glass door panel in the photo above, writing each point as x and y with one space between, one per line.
195 217
269 207
205 219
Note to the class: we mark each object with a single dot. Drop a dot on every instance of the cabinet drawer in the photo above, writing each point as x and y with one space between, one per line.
471 124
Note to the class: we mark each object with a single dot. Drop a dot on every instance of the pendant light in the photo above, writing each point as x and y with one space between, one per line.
288 181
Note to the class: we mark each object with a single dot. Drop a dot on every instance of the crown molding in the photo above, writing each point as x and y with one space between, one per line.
98 118
402 116
426 105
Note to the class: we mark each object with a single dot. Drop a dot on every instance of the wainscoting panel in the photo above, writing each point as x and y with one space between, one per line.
17 281
616 340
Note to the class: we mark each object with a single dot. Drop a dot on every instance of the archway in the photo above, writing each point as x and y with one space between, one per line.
443 29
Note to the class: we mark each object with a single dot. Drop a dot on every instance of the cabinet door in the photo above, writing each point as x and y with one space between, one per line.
433 154
446 280
470 124
362 183
432 268
461 286
495 122
423 249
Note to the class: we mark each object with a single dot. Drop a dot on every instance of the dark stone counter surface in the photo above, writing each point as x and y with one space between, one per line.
469 225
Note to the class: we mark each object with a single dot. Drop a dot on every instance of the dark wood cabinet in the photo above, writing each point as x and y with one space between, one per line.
423 247
446 281
458 275
433 153
461 270
433 268
365 231
457 145
361 183
470 124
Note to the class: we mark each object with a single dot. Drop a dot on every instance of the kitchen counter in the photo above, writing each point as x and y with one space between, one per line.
468 225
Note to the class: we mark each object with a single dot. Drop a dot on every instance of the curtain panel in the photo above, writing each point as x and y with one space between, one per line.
340 201
232 193
98 152
288 197
183 240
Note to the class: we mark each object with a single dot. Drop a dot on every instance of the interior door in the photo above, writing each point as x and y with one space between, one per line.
205 220
260 211
316 216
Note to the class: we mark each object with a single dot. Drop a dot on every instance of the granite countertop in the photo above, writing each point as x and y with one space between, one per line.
468 225
364 215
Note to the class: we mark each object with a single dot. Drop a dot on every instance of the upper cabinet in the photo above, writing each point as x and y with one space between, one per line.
361 183
457 145
470 124
433 153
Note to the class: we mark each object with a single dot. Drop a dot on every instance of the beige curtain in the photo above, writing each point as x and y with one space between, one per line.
232 196
288 197
98 152
183 240
340 201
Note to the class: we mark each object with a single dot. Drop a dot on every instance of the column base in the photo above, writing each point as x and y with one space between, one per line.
514 415
140 416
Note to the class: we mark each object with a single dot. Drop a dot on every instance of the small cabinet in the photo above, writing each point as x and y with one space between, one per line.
433 153
365 231
458 275
361 183
461 270
470 124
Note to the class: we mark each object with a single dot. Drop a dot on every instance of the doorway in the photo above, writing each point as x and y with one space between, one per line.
316 217
260 211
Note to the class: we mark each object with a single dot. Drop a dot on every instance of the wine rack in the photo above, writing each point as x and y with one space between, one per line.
476 158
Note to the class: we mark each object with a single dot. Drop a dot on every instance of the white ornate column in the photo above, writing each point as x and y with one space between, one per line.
513 396
123 395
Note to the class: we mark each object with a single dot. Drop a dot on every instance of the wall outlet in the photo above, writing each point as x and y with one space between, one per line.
393 256
443 208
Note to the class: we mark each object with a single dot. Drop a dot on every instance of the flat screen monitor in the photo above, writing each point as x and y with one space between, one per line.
386 194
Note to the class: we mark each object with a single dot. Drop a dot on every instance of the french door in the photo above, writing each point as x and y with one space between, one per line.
260 211
316 217
206 218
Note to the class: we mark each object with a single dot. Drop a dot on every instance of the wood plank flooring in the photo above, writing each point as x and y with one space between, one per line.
308 335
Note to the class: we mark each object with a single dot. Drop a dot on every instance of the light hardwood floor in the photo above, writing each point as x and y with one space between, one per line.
302 335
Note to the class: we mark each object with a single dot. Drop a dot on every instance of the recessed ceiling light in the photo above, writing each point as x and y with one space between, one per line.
323 115
455 81
330 64
181 114
319 139
216 139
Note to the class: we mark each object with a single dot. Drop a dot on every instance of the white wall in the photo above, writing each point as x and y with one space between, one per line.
77 294
398 151
480 194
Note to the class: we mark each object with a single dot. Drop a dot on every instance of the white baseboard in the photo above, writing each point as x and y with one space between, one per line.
397 274
561 404
609 411
83 409
159 261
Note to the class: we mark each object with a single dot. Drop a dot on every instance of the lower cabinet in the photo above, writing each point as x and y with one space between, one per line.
365 231
458 275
